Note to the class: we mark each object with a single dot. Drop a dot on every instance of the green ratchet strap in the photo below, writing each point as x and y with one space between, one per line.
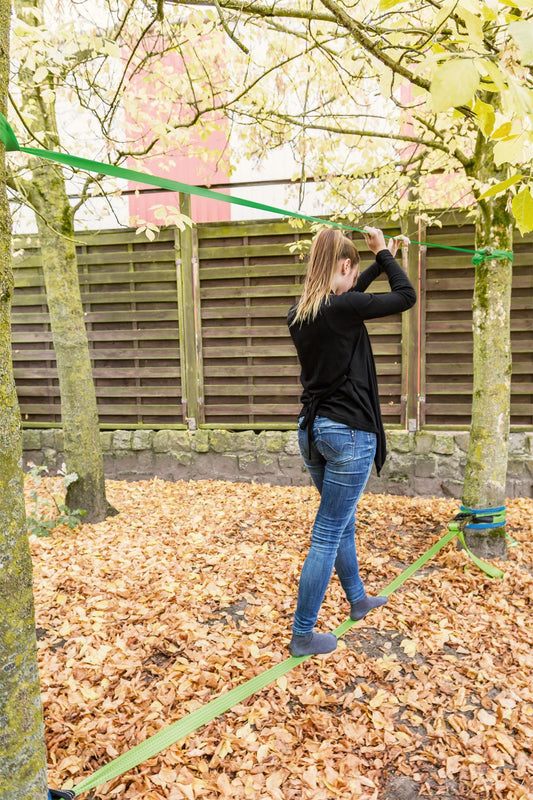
201 716
7 136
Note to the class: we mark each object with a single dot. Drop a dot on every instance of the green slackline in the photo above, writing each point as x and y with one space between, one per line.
201 716
7 136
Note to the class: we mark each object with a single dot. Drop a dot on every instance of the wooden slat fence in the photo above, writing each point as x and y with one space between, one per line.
448 281
190 329
129 293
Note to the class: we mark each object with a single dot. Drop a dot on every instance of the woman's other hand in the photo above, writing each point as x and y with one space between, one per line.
395 242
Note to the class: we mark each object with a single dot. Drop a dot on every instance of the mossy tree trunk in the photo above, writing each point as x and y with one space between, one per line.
486 466
79 415
22 747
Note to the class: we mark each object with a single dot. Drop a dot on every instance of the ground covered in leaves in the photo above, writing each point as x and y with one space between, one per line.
190 591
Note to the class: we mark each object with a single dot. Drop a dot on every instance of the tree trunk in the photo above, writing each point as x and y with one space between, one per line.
22 746
486 466
79 414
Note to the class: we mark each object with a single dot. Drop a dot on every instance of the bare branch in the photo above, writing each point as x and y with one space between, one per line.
258 10
231 35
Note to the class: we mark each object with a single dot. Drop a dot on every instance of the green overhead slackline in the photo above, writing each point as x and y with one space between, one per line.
7 136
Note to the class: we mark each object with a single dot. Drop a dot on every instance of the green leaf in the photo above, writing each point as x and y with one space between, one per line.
523 210
454 84
522 33
501 187
485 117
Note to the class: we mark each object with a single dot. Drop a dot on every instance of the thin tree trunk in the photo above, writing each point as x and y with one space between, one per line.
79 414
486 466
22 746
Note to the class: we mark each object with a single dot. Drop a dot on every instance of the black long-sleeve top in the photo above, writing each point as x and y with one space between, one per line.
338 372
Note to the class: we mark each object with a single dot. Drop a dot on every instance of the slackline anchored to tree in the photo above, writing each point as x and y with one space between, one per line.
7 136
467 518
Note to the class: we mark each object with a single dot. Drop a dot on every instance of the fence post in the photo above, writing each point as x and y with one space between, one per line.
411 374
189 314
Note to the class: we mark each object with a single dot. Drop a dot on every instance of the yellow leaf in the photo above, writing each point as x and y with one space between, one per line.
523 210
225 749
509 151
486 719
282 682
506 742
454 83
263 752
379 698
494 73
485 117
409 646
474 24
522 33
275 780
502 186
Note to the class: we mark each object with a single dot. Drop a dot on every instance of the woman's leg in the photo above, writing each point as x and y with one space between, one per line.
349 455
347 565
347 568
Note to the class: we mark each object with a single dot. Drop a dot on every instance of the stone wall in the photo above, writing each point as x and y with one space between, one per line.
424 463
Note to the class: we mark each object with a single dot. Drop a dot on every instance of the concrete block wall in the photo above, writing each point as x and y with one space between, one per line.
426 463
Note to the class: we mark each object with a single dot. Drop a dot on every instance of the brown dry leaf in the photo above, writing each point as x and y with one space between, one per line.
190 591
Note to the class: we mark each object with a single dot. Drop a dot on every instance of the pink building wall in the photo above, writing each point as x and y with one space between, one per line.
436 191
183 164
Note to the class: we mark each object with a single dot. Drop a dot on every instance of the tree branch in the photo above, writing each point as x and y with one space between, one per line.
258 10
357 131
226 28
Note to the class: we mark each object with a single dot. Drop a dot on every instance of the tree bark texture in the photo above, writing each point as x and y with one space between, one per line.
486 465
22 746
79 414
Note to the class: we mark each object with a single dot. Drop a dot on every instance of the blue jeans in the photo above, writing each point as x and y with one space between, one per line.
339 464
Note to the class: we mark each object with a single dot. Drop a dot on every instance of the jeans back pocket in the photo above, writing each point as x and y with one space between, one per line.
335 442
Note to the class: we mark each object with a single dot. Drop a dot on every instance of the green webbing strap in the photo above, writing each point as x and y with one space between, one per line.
7 136
9 139
461 521
488 252
201 716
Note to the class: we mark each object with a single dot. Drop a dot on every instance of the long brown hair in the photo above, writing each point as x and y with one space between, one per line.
328 247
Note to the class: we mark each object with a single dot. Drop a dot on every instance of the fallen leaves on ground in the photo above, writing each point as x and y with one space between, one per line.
190 591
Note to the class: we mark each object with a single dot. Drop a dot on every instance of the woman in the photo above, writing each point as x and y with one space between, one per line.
340 428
